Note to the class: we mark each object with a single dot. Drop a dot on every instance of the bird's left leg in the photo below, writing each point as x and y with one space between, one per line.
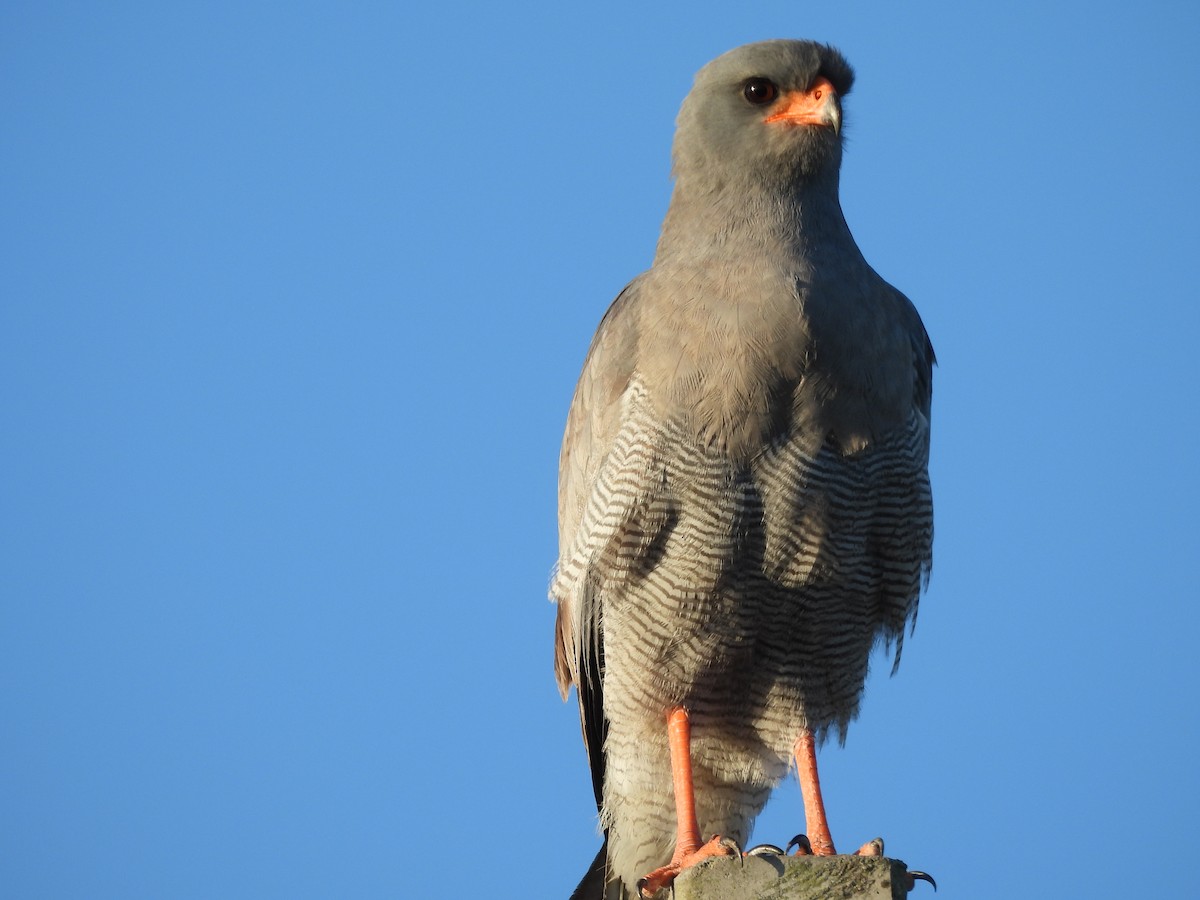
688 849
819 842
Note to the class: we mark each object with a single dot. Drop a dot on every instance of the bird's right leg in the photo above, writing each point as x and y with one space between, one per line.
688 849
810 789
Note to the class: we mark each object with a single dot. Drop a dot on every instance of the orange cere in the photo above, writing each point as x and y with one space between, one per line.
816 106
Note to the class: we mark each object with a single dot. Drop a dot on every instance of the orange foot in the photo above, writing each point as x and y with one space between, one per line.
805 848
870 848
663 877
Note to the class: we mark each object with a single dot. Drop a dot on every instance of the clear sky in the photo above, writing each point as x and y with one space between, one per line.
292 301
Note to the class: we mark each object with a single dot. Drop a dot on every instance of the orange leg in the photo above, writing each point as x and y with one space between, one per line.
688 849
679 739
819 841
810 790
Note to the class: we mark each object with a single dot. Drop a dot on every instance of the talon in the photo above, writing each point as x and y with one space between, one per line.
649 886
802 845
648 891
734 848
765 850
915 875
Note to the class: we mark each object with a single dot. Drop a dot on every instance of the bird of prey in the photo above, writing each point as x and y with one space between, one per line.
744 499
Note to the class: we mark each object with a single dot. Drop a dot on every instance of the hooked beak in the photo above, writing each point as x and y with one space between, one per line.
816 106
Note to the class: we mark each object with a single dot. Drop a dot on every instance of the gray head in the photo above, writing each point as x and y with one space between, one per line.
768 113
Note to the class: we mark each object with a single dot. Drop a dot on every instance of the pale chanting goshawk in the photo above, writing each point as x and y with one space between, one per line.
744 499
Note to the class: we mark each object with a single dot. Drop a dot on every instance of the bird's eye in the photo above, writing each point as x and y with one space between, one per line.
760 91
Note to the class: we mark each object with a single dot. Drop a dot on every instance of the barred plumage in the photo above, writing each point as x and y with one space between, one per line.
745 508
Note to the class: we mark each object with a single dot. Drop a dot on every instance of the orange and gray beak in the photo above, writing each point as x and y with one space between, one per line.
816 106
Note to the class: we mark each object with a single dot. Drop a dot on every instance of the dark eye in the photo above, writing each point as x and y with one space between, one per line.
760 91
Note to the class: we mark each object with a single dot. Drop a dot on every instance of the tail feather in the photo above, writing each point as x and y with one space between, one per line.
595 884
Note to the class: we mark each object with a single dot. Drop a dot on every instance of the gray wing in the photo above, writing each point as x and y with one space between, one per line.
923 357
592 424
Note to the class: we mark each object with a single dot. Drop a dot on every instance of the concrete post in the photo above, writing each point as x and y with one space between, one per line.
795 878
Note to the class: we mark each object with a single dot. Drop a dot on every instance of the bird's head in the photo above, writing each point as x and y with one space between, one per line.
768 113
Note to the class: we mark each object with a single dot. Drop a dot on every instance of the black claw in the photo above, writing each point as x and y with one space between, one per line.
641 882
800 841
730 844
765 850
914 876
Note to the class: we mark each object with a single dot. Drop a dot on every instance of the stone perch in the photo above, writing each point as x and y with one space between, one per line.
795 878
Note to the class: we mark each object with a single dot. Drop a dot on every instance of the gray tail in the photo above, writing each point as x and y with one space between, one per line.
595 884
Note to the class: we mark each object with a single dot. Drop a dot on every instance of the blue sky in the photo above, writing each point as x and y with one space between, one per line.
293 302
